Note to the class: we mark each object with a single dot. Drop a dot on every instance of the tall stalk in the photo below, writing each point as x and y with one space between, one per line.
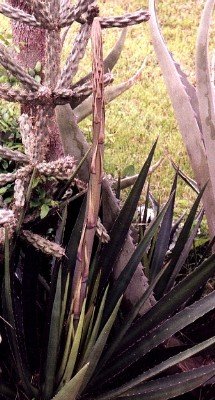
96 171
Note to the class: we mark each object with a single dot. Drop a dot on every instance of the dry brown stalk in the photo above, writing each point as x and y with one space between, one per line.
96 172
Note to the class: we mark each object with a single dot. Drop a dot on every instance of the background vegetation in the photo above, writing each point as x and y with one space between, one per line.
136 118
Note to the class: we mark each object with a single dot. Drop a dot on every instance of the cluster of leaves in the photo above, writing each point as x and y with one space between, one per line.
11 138
62 354
8 115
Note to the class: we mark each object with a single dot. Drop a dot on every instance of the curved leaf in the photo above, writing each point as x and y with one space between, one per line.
179 247
172 386
123 221
135 383
154 338
171 302
70 390
163 237
121 283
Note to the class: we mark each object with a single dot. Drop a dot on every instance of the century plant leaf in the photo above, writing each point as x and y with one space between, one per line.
121 283
143 218
93 289
96 327
185 114
171 302
98 347
189 181
173 385
122 223
172 361
127 322
205 88
163 237
179 246
67 348
71 389
155 203
75 348
143 225
64 303
22 369
207 251
175 227
56 311
154 338
59 237
181 103
94 277
88 326
185 252
72 247
53 341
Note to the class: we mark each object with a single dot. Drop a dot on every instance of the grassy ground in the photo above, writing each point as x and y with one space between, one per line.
134 120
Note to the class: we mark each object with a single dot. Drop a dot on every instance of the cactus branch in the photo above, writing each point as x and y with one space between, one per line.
15 95
65 8
8 63
42 244
75 12
14 155
18 14
75 56
41 13
126 20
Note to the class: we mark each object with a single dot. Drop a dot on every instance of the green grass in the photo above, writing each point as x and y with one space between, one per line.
134 120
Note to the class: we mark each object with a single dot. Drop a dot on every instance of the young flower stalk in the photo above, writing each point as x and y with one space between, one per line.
96 172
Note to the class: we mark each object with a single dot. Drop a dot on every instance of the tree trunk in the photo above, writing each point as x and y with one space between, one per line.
31 42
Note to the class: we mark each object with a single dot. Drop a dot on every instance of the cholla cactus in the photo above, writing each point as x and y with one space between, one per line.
76 322
57 88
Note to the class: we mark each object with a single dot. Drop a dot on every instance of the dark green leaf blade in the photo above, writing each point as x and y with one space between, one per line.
99 345
154 338
133 313
122 282
131 386
22 370
185 252
53 342
163 238
70 389
172 386
122 224
179 246
171 302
